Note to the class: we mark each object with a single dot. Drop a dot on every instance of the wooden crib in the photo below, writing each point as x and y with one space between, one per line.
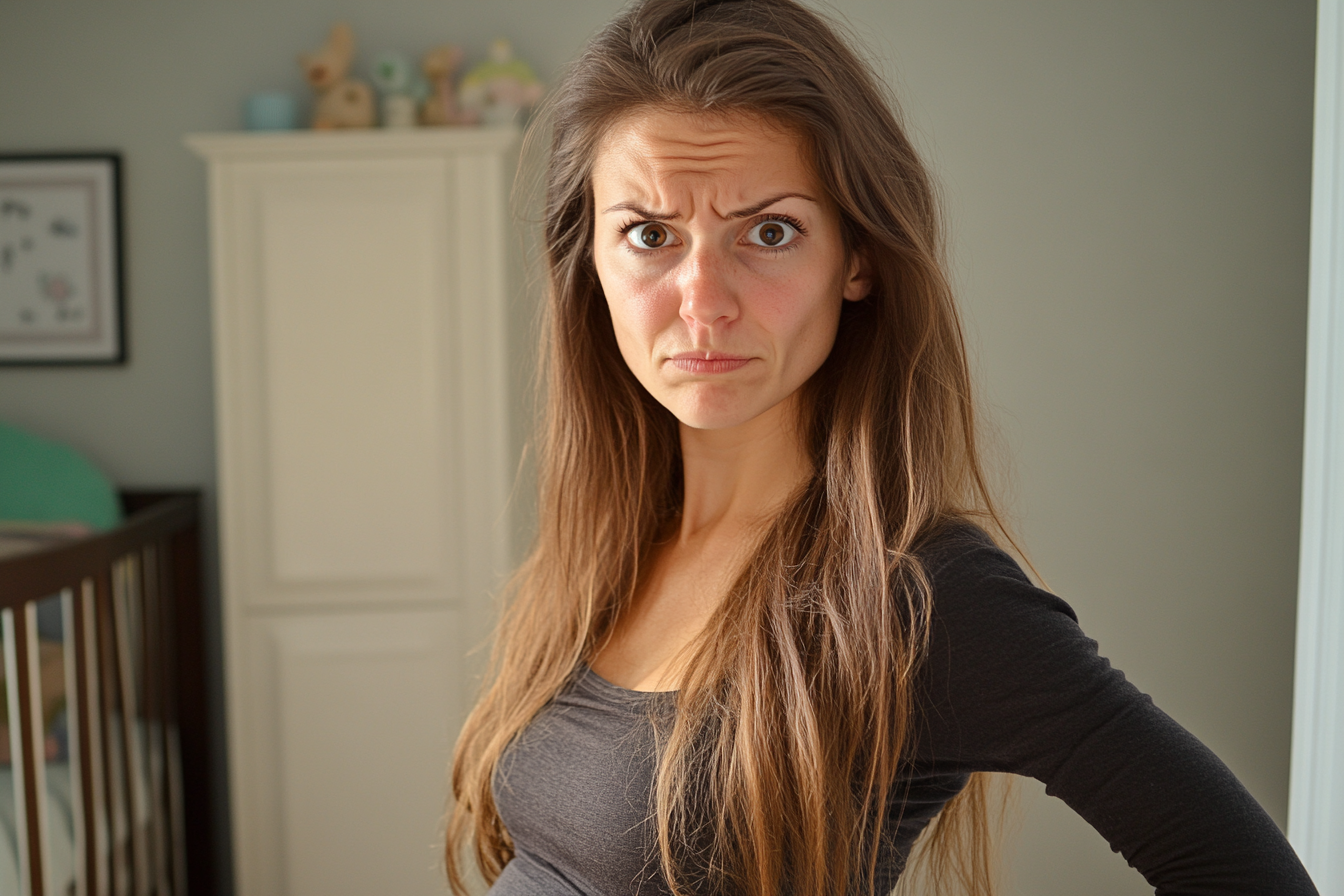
104 740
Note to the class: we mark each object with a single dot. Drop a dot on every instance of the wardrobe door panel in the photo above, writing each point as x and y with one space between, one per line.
361 721
353 281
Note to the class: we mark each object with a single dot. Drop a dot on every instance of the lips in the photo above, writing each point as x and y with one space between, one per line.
708 362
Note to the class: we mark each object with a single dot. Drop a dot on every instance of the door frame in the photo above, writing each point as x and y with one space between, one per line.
1316 790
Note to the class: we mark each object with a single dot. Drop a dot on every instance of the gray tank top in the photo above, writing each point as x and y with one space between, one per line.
574 791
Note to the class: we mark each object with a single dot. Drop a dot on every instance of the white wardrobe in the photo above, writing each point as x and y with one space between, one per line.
361 384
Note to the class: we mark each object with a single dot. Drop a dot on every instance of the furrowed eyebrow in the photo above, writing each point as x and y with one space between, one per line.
642 212
740 213
762 206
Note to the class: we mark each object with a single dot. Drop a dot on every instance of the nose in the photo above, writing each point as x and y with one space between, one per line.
708 297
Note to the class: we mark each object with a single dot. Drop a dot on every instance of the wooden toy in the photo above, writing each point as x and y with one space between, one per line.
441 107
342 101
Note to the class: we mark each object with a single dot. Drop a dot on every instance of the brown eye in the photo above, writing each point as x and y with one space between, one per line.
651 235
772 234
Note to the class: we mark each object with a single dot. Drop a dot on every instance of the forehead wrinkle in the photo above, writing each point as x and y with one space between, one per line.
694 151
649 167
702 157
726 202
630 176
671 192
695 146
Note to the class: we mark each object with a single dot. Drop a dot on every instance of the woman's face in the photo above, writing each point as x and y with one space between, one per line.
721 260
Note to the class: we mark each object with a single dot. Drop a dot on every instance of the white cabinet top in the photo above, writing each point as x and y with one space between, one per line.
279 145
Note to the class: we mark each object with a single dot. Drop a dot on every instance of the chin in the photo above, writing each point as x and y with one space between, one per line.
714 411
710 421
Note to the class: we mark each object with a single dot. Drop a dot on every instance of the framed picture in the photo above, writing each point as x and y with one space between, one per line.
61 285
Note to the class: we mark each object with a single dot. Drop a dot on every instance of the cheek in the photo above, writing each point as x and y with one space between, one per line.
801 309
644 308
640 306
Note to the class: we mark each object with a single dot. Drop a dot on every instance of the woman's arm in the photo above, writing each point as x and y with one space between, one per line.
1013 685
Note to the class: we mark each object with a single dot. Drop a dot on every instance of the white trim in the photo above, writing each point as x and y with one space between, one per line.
1316 797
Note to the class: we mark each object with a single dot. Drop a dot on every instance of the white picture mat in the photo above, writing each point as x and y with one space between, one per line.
59 260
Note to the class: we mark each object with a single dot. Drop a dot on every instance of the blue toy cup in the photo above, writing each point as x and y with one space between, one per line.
271 110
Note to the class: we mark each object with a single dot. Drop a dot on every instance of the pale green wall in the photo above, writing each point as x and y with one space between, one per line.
1127 184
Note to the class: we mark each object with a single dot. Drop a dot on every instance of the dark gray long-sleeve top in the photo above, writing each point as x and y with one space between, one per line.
1011 685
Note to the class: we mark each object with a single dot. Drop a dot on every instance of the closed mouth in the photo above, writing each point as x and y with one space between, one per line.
708 362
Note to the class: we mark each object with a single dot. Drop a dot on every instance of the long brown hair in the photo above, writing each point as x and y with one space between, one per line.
794 715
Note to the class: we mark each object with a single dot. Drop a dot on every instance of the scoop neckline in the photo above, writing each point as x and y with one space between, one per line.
627 694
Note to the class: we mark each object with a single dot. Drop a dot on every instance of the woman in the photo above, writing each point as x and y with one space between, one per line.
763 643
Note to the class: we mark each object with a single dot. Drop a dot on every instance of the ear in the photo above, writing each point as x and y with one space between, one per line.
859 277
342 41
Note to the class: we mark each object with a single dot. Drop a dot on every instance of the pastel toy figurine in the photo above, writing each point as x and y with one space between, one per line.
342 101
395 78
441 107
500 87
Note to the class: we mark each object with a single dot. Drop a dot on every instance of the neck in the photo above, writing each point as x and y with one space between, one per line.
740 476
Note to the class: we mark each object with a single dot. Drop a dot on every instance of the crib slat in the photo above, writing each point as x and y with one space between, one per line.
54 695
119 656
179 572
146 697
152 677
166 672
109 863
93 808
14 723
113 722
73 686
31 795
126 604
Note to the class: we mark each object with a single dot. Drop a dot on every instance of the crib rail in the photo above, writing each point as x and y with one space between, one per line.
104 737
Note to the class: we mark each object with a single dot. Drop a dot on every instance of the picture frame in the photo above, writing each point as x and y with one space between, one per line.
62 287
